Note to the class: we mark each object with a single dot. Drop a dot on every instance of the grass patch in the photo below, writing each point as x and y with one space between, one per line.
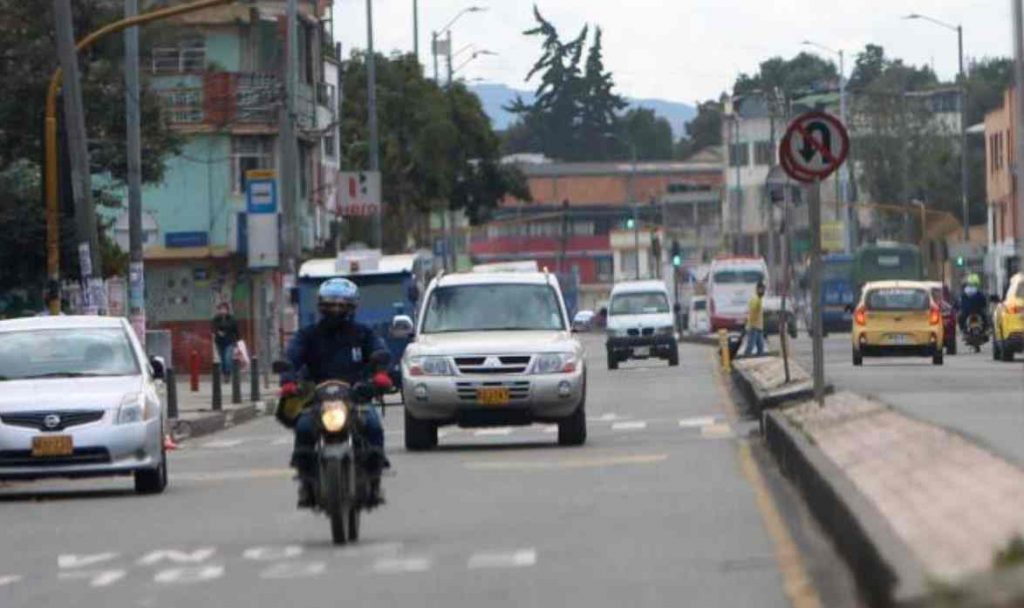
1011 555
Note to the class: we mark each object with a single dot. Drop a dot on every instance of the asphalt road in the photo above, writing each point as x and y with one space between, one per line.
970 393
668 504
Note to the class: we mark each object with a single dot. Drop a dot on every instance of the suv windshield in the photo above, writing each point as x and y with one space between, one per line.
492 307
898 299
639 303
726 277
66 353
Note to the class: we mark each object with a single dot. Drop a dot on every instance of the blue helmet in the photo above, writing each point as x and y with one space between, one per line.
337 300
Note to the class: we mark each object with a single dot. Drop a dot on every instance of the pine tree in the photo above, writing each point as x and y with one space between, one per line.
599 108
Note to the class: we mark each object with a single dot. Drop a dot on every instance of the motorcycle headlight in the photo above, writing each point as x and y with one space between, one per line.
555 363
333 416
430 366
132 409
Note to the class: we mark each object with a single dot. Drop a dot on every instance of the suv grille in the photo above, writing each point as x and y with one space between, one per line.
501 364
647 331
517 391
37 420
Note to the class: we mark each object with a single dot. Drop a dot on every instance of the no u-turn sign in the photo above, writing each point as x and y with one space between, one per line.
814 146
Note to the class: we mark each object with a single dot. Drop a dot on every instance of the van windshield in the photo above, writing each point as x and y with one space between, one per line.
738 277
639 303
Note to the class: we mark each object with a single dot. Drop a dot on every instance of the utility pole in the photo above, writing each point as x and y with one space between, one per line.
1018 70
963 135
81 177
136 268
371 104
416 29
433 51
636 220
450 250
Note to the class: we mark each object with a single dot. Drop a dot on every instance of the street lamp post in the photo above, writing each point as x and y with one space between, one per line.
435 36
843 181
963 113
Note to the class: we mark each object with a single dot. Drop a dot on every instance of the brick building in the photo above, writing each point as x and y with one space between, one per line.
1006 227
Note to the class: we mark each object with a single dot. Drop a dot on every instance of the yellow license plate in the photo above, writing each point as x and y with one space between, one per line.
492 396
54 445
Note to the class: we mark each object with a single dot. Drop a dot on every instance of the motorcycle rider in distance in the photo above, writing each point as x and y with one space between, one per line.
335 348
973 302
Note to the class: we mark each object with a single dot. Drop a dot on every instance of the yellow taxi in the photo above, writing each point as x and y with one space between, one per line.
1008 322
897 319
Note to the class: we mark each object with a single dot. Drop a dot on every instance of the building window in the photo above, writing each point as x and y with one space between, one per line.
739 155
249 152
604 269
330 146
764 153
182 106
188 55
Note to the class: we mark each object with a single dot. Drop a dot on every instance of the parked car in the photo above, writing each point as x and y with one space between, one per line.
641 324
897 319
583 321
697 321
943 297
493 349
78 398
1008 321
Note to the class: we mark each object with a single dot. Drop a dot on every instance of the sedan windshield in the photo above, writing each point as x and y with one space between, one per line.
898 299
66 353
492 307
639 304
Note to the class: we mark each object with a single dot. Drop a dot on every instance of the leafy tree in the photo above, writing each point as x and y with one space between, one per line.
651 134
437 147
703 131
803 73
27 58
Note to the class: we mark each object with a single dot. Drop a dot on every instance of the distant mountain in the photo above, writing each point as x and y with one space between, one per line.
496 96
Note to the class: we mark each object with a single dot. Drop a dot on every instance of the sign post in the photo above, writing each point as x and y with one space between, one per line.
360 193
815 146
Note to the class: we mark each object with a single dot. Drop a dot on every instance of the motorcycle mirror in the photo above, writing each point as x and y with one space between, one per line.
281 367
363 392
402 327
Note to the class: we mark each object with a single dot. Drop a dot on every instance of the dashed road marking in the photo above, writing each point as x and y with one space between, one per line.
290 570
522 558
567 463
9 579
96 578
214 476
68 561
696 423
198 574
635 425
717 431
222 444
496 432
398 565
272 553
608 418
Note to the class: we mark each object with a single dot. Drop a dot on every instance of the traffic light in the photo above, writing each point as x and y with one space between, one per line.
677 260
677 254
960 261
630 224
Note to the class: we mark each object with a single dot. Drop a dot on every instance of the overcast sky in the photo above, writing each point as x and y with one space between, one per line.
684 50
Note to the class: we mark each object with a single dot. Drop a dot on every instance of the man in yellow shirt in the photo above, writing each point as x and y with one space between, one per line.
755 322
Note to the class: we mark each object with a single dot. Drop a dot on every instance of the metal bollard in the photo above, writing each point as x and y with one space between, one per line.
236 384
172 393
723 345
254 380
217 401
193 371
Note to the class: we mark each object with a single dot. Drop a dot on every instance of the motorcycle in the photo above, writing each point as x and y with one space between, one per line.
348 468
975 332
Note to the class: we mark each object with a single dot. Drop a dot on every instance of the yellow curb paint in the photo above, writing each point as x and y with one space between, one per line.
716 431
796 583
577 463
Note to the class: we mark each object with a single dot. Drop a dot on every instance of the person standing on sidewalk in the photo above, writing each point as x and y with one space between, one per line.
225 337
755 322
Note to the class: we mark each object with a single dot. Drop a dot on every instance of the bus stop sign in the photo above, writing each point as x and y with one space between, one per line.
814 146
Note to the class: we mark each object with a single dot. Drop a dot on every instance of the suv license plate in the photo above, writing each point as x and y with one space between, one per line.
642 351
53 445
899 339
492 396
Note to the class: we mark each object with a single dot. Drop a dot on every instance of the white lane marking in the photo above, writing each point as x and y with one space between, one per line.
96 578
522 558
608 418
222 444
695 423
398 565
189 575
79 561
9 579
636 425
388 549
283 441
264 554
501 431
287 570
180 557
717 431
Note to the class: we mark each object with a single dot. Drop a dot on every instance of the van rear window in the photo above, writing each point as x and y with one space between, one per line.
898 299
738 277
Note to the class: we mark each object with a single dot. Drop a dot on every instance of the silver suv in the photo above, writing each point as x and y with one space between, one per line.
493 349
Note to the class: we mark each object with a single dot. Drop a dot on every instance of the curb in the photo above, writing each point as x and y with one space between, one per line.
761 400
212 422
886 571
702 340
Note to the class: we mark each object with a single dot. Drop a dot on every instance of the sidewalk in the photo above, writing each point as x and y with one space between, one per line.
196 416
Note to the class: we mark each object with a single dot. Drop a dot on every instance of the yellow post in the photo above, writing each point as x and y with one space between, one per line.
723 345
50 171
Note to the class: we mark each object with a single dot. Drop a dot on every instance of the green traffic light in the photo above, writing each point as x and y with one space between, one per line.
630 224
960 261
677 260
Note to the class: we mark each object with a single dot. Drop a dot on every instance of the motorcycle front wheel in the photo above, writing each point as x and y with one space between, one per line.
333 484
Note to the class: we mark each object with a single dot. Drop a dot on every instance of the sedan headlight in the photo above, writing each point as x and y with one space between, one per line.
132 409
430 366
555 363
333 416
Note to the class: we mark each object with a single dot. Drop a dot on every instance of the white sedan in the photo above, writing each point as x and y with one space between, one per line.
78 398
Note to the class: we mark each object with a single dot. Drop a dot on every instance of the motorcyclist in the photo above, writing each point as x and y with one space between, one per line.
334 348
973 302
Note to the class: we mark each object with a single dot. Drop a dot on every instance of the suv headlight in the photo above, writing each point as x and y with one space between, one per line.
132 409
555 363
430 366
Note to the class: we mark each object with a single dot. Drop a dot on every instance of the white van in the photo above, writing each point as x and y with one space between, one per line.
731 283
641 324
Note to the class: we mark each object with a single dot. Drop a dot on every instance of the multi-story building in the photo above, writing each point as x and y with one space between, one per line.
220 76
1005 224
582 215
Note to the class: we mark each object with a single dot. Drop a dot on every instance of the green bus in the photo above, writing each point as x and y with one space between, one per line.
887 262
